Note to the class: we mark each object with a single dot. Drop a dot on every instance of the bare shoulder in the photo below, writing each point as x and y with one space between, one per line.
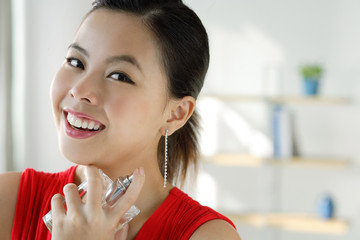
9 185
215 229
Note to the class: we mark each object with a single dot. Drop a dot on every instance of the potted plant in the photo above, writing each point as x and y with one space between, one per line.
311 74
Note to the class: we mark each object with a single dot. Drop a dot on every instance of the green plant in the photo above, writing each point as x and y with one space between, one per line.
312 71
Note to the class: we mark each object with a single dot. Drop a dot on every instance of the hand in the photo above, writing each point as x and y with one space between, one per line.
90 220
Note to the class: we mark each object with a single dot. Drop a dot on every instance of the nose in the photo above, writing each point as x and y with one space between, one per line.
86 90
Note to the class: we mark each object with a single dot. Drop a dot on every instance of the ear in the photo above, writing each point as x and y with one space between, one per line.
180 112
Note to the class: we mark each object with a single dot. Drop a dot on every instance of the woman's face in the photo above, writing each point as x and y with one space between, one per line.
109 97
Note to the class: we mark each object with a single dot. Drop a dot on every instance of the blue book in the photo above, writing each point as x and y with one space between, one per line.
282 132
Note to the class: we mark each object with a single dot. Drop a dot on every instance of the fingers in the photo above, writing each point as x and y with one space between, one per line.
57 208
131 194
94 188
72 198
90 218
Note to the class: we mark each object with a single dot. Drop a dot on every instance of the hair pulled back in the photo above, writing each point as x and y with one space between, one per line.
184 47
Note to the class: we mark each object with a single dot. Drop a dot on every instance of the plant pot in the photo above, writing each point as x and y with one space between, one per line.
311 86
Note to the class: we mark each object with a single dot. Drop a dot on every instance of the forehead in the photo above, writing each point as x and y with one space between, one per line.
107 32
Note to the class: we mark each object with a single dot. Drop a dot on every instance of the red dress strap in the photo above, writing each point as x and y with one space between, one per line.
33 202
177 218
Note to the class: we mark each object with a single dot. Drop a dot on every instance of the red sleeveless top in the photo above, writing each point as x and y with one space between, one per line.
176 218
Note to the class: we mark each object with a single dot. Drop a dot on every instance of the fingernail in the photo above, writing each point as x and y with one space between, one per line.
141 171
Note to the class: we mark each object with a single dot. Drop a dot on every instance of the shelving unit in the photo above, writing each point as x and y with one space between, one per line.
280 99
244 160
295 222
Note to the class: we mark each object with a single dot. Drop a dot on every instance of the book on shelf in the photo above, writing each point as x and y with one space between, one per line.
282 132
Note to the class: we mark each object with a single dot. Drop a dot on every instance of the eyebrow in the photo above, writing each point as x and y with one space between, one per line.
79 48
125 58
114 59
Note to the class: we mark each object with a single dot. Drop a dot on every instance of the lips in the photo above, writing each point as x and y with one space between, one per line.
79 125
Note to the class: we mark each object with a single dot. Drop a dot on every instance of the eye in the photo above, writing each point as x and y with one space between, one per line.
74 62
122 77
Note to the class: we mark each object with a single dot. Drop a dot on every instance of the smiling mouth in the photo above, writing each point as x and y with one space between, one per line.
83 124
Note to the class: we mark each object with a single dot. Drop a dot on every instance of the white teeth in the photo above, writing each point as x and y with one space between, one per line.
71 119
79 123
91 125
84 124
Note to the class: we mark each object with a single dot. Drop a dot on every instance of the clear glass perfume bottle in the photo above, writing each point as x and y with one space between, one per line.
112 191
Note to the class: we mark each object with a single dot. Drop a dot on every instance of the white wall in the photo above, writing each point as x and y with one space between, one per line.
5 77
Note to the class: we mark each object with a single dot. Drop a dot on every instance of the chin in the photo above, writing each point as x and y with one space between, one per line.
79 153
79 157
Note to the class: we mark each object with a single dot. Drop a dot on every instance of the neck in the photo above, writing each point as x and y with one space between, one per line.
151 196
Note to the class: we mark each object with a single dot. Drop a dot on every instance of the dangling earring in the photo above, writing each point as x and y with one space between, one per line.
166 157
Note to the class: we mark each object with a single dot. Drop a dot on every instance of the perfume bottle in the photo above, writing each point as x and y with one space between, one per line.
112 191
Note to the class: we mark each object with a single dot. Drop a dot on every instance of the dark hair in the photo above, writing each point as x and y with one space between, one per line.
184 47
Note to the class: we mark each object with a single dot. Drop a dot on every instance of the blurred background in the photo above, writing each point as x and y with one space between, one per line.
280 108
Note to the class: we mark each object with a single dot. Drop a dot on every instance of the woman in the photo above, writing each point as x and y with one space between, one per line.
123 102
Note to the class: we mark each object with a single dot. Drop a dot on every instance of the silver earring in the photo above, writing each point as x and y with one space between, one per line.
166 157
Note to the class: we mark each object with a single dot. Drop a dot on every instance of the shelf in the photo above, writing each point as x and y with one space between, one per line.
280 99
251 161
234 160
295 222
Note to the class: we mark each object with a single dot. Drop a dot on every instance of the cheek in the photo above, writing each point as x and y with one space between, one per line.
121 107
133 110
58 90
